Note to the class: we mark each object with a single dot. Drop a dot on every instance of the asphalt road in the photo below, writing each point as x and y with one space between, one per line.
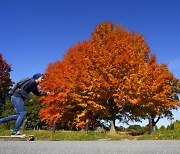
91 147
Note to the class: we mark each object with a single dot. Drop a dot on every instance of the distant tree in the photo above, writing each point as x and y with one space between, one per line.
5 81
7 109
33 118
162 128
177 125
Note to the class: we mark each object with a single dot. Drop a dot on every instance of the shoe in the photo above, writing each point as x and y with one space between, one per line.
18 133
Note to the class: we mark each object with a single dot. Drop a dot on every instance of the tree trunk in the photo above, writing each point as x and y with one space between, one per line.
112 111
112 129
154 122
154 128
150 125
54 127
24 125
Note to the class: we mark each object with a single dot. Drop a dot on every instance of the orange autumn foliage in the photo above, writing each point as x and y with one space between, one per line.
111 74
153 89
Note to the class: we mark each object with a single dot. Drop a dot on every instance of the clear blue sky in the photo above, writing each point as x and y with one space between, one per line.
34 33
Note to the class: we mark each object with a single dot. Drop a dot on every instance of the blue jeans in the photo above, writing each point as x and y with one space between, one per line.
18 104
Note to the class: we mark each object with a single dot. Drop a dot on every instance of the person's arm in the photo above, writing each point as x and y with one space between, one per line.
37 93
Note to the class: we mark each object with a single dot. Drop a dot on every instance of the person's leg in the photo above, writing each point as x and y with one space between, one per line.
20 112
11 117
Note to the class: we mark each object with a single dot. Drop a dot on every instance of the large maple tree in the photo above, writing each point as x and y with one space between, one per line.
107 77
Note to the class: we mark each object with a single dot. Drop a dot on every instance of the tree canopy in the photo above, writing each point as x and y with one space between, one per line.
111 76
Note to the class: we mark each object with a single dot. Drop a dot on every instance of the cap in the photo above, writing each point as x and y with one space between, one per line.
37 75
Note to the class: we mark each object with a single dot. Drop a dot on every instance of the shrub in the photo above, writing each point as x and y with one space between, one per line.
135 130
162 128
120 128
177 125
101 130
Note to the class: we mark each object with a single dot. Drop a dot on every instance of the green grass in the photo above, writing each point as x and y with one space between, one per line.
92 135
75 135
71 135
162 135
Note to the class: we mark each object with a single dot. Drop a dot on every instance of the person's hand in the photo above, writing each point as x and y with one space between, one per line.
30 100
48 93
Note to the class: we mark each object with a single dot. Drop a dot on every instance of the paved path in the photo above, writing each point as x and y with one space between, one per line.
91 147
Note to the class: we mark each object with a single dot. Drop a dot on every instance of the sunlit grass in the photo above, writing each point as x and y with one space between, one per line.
92 135
162 135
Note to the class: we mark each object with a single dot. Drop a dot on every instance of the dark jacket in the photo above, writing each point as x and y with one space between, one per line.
26 88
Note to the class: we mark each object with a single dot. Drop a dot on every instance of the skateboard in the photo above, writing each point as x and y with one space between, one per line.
20 137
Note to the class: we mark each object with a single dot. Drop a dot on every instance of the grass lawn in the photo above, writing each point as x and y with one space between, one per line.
92 135
162 135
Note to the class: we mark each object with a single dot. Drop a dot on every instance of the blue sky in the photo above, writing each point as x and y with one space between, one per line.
34 33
